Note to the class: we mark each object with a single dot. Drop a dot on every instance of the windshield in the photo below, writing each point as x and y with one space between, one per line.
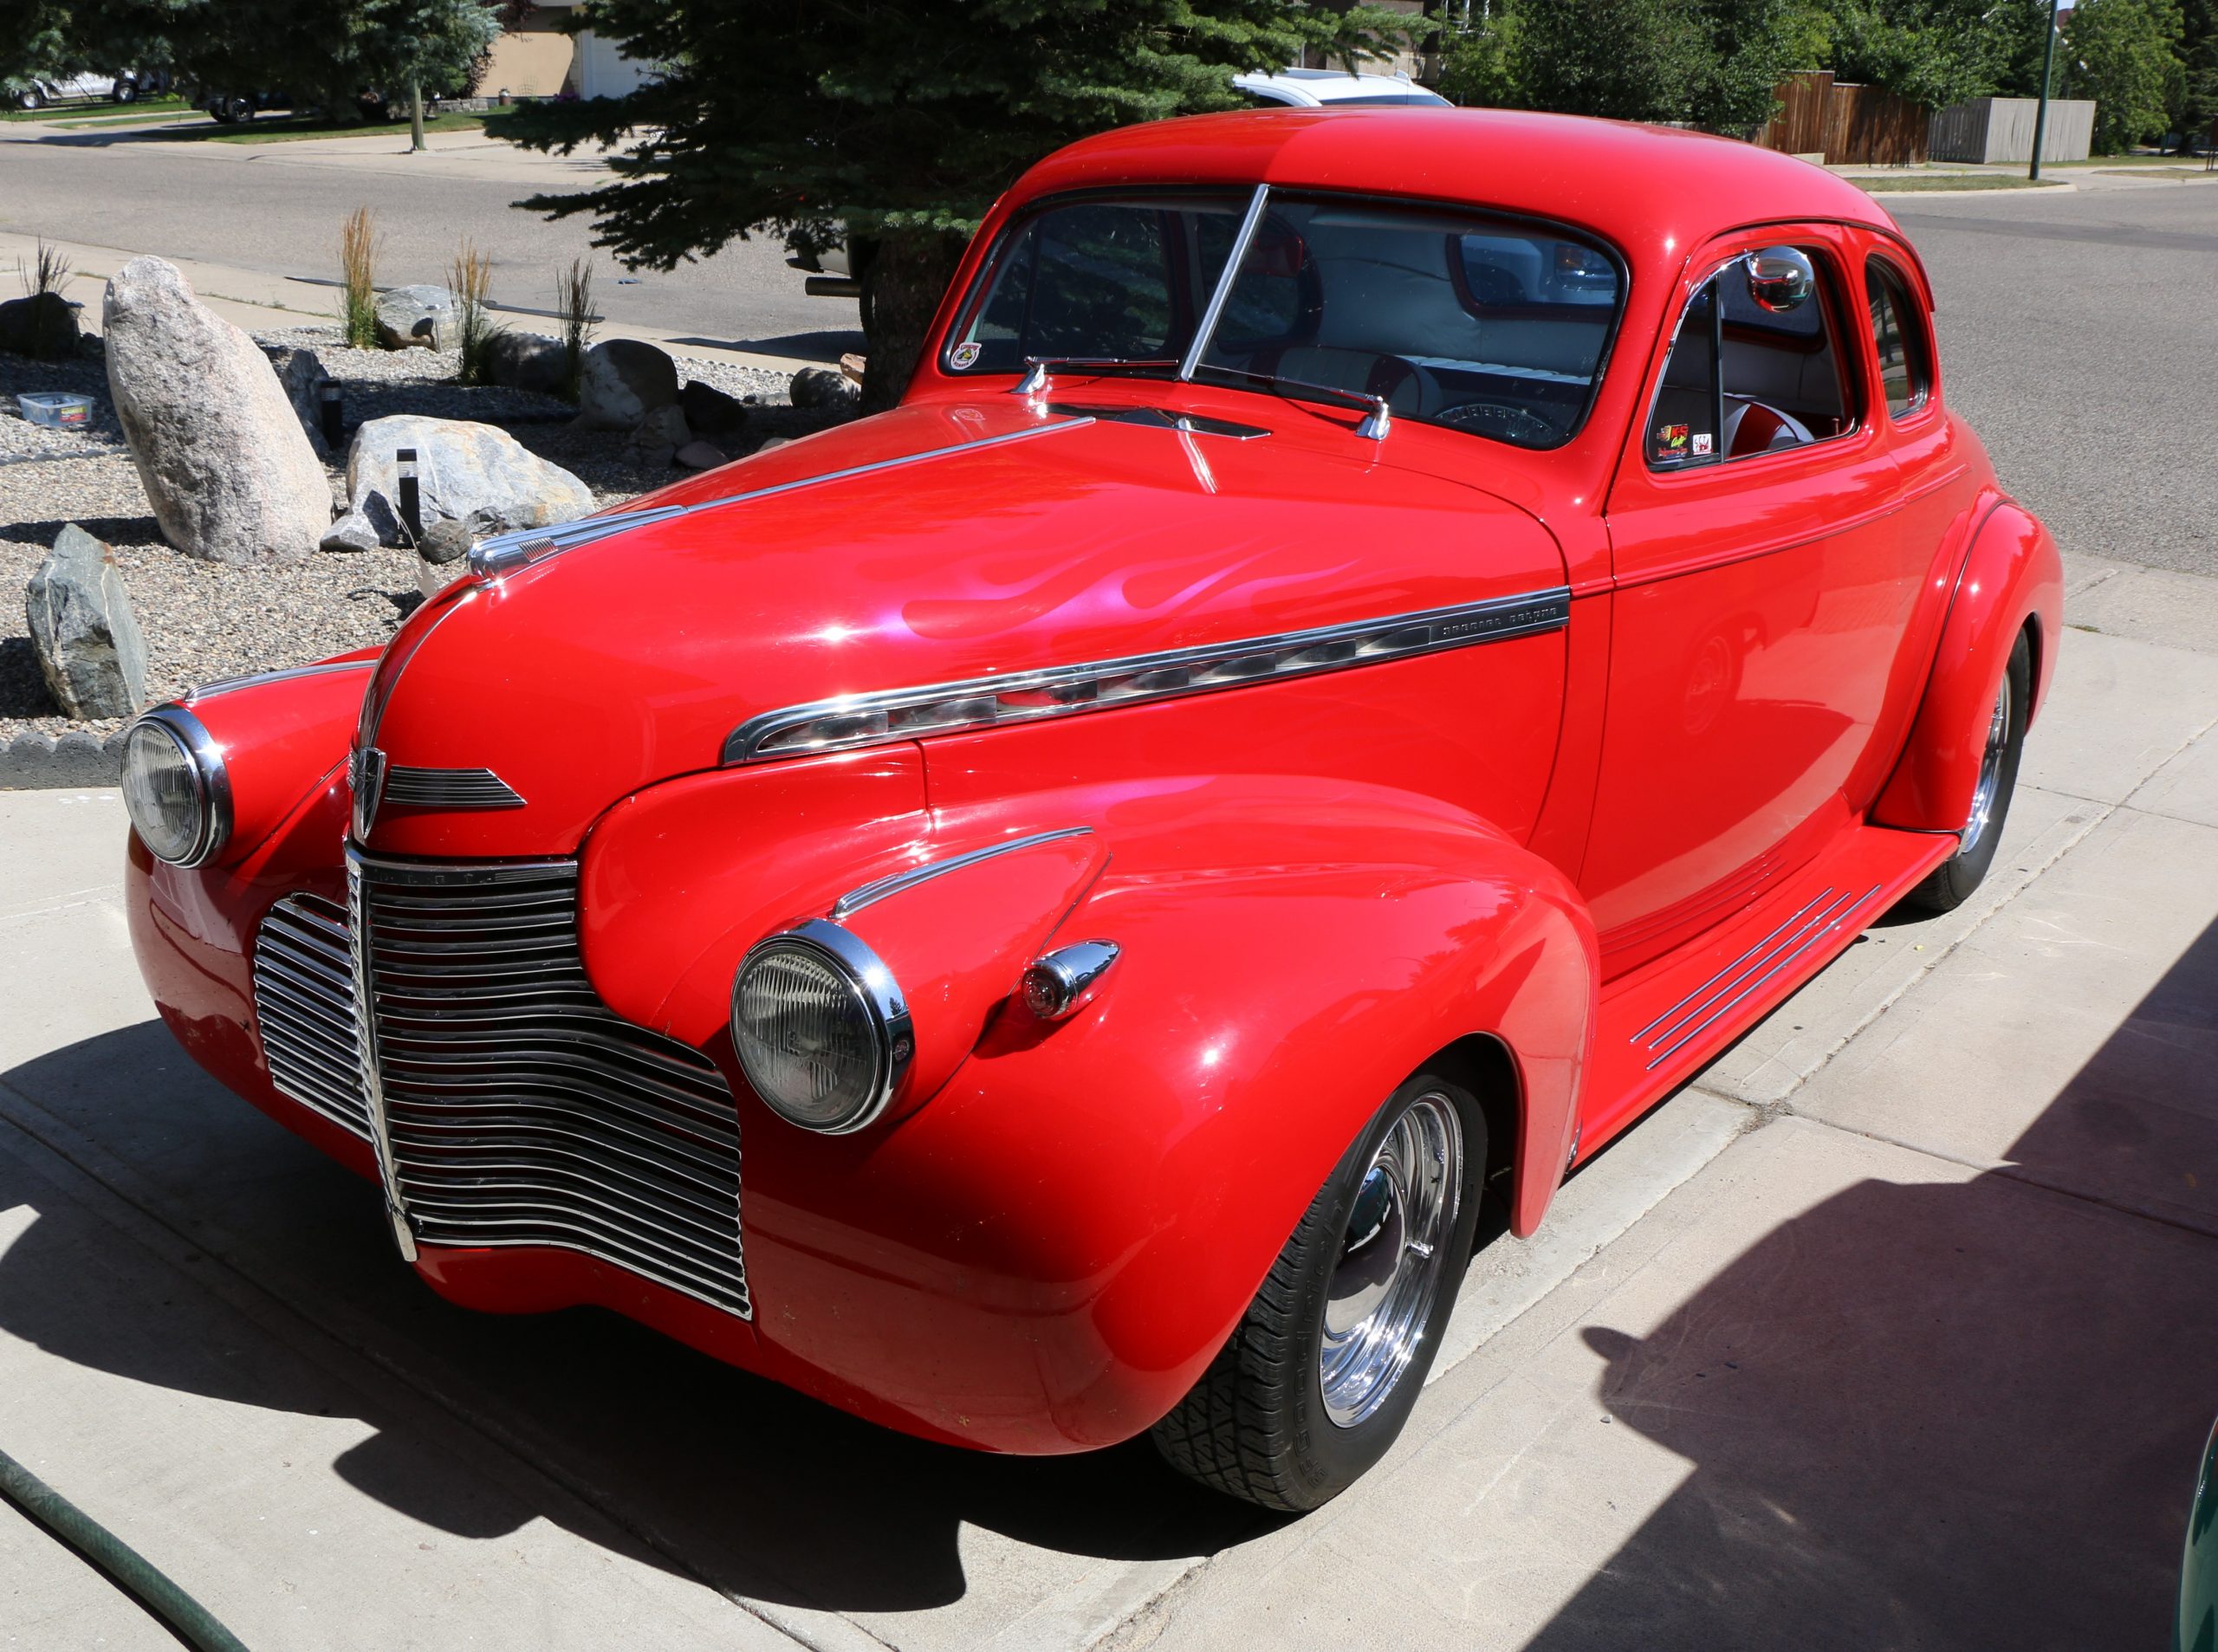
1496 327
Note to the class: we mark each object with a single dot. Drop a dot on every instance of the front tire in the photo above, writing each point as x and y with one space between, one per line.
1950 884
1321 1372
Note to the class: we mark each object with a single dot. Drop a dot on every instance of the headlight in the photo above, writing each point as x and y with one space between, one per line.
820 1026
175 788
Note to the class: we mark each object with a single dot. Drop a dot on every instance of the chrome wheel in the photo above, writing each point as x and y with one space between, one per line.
1990 769
1381 1290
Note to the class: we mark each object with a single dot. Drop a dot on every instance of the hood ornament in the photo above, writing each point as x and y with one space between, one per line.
367 775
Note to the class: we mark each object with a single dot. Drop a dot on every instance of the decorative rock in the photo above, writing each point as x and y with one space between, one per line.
300 371
525 361
621 381
449 539
659 435
824 388
421 314
82 630
697 456
353 532
42 327
463 471
226 466
709 410
776 441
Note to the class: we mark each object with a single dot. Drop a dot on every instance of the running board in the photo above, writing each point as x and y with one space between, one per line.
1662 1023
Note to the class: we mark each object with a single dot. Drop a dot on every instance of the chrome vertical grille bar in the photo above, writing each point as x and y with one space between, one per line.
366 1043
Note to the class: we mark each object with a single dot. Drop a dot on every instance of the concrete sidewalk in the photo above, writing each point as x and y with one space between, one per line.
1892 1330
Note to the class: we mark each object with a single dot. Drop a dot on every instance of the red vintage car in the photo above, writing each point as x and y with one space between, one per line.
1376 645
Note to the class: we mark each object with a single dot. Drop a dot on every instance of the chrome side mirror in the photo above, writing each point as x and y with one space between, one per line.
1780 279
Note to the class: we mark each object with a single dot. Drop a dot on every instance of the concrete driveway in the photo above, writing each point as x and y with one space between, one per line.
1891 1330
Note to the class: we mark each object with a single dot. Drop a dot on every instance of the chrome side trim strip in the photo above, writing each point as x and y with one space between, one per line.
503 553
1223 289
1023 696
868 894
1706 1006
256 679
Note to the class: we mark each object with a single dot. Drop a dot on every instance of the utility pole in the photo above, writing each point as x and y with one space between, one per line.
2040 110
416 110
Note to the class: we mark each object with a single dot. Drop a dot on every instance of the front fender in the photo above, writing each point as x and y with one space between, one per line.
1045 1255
2011 574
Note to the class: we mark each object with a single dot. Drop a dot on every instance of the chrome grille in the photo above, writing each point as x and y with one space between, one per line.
518 1108
449 789
304 1003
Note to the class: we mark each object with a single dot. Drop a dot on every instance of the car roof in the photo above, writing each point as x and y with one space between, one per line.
1653 191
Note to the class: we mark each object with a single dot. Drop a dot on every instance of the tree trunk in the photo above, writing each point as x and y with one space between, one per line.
906 279
415 116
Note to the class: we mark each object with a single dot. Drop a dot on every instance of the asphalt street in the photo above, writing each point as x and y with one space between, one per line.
277 207
2078 334
2099 414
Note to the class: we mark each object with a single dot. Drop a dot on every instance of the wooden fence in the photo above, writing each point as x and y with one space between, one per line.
1849 125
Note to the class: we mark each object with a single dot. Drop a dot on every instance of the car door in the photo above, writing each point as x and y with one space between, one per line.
1761 588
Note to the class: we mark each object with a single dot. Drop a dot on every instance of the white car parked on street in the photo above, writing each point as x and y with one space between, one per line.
1317 88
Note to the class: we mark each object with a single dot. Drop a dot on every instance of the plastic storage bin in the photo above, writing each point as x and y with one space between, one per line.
55 407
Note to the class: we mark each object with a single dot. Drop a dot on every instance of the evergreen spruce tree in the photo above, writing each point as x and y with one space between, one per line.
898 120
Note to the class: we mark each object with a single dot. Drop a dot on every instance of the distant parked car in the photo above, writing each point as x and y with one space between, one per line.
236 109
1319 88
36 94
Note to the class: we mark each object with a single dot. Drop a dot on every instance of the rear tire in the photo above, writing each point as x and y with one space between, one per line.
1950 884
1321 1372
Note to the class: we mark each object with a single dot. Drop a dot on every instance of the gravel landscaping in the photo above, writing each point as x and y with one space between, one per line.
205 620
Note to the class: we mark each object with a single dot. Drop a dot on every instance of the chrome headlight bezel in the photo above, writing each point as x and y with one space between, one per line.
203 765
873 996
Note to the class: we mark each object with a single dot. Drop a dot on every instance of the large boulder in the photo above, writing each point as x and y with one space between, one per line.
301 372
422 314
526 361
621 381
822 388
462 471
709 410
43 326
225 463
82 630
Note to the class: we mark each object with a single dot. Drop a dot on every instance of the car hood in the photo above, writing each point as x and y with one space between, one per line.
935 542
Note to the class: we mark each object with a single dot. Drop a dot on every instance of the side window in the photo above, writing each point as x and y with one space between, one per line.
1752 371
1905 377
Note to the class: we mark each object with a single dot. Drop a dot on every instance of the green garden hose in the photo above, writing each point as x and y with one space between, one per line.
187 1617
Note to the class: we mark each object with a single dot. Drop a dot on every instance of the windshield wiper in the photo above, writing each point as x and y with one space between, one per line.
1378 417
1036 378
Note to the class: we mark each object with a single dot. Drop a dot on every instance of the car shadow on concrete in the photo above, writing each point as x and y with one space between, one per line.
745 1483
1946 1414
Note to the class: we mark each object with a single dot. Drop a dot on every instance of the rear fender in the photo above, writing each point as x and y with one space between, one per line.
2012 573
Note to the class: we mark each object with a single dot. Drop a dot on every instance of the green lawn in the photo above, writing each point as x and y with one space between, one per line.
75 113
1918 181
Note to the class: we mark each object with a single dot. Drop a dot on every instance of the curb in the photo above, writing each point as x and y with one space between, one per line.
31 761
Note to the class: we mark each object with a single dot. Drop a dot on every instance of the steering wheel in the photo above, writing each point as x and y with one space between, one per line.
1506 421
